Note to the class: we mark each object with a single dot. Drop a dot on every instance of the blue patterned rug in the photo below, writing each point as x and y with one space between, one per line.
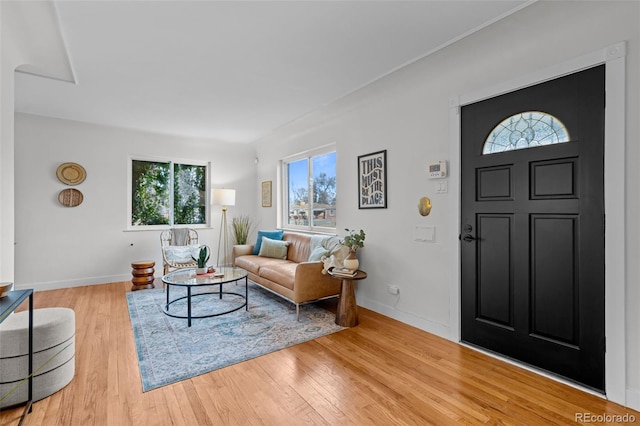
169 351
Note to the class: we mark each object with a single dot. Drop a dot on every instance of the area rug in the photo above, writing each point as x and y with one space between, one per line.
169 351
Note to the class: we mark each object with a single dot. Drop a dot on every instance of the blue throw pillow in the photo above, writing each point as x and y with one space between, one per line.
274 235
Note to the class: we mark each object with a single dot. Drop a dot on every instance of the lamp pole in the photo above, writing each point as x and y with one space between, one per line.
225 239
224 198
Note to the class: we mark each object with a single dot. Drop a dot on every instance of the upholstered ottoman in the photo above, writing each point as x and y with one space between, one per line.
54 331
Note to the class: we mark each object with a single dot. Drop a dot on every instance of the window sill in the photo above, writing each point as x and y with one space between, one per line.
309 232
164 227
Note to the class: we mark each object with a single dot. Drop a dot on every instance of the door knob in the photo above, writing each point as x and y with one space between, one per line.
468 238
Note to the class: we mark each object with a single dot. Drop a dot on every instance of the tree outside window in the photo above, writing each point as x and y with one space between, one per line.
167 193
189 194
315 174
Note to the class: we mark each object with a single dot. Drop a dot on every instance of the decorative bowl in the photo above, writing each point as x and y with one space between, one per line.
5 288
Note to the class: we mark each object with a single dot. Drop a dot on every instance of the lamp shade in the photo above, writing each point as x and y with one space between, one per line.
223 197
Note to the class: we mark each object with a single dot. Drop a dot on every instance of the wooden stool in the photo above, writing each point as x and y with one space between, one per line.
142 273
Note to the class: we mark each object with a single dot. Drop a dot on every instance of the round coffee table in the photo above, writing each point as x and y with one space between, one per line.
188 279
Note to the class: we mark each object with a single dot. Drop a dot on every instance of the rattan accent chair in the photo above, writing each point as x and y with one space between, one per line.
168 238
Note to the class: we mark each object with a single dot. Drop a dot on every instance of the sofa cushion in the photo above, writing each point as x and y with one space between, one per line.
299 249
273 248
274 235
282 272
249 262
253 263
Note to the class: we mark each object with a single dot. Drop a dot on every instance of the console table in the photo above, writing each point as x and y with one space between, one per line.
8 304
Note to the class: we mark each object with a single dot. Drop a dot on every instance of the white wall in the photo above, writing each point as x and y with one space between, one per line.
59 246
29 35
407 113
9 59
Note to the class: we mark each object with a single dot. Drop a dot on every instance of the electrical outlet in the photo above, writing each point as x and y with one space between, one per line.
393 289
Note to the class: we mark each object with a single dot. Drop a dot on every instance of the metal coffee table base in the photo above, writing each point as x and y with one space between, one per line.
190 296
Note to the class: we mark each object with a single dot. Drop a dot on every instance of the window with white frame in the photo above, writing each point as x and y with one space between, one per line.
167 193
309 190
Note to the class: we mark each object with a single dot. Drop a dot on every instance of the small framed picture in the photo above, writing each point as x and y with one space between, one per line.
372 180
266 193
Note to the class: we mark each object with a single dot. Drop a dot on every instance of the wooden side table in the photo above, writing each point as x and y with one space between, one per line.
347 311
142 274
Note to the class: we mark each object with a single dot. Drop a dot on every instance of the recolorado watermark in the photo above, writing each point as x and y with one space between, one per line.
604 418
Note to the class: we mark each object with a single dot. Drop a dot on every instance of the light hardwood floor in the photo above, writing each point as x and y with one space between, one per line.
381 372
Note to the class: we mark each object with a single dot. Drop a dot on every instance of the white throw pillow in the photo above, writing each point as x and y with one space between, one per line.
331 244
340 252
180 254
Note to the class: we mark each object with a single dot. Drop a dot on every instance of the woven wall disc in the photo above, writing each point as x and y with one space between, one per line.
70 197
71 173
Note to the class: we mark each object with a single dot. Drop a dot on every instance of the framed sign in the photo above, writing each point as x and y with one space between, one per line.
372 180
266 193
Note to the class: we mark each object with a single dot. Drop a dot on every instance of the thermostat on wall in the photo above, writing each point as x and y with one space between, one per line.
438 170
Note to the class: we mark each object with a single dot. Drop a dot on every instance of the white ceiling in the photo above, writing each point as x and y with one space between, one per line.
236 70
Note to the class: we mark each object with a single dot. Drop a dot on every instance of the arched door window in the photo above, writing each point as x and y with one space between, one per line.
525 130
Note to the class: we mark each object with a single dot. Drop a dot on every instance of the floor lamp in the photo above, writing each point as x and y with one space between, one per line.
224 198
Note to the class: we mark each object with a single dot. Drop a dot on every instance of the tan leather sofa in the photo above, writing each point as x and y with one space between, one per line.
295 278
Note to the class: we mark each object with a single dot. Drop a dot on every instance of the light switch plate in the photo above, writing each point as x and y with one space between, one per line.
442 187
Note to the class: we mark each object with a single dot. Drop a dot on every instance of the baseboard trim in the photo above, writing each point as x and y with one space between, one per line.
633 399
432 327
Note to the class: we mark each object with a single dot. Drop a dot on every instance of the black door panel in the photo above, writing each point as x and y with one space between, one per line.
533 265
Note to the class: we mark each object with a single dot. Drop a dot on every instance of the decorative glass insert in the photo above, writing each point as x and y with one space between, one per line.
525 130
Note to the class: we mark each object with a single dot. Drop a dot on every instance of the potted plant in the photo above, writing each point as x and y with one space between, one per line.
203 258
354 240
241 227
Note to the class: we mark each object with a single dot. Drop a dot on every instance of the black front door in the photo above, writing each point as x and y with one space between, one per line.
532 231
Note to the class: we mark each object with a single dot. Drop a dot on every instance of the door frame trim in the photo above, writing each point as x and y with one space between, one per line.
614 58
